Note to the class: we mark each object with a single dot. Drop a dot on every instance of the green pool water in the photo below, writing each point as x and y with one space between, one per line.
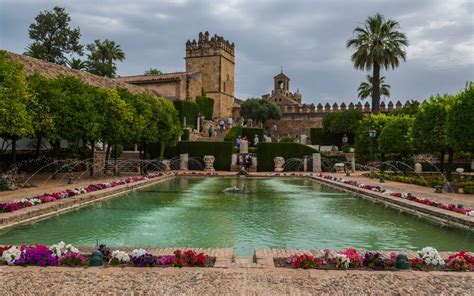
277 213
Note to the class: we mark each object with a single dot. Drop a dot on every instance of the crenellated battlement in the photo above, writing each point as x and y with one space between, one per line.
209 46
366 108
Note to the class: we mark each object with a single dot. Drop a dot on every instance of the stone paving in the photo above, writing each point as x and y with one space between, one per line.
234 281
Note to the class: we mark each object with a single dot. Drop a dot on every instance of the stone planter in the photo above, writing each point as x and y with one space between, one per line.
279 162
209 162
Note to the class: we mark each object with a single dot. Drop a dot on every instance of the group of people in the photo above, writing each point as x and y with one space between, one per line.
239 140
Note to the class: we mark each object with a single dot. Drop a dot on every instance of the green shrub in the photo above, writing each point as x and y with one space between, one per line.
206 106
248 132
222 151
267 151
189 110
286 140
468 189
321 137
185 136
252 149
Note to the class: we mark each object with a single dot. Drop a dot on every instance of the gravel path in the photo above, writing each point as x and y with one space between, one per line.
234 281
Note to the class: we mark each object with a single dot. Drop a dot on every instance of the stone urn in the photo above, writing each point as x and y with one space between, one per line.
279 162
209 162
166 165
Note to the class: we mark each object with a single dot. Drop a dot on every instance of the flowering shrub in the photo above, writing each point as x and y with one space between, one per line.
342 261
461 261
61 249
166 260
12 206
11 255
355 258
393 259
408 196
119 257
106 253
189 258
431 256
72 259
416 263
39 255
145 260
304 261
373 260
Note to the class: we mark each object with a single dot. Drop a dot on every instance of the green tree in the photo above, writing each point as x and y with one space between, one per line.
365 88
169 127
15 118
53 37
363 142
344 122
259 110
411 109
102 56
395 136
429 136
377 44
153 71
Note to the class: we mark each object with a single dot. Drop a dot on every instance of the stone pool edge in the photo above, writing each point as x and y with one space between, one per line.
47 210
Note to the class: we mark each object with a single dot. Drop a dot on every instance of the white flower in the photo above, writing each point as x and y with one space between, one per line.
120 256
61 249
431 256
11 255
138 252
342 261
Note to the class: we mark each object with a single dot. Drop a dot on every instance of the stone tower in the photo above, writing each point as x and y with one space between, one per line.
214 59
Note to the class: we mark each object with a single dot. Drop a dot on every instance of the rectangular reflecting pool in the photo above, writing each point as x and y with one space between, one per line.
276 213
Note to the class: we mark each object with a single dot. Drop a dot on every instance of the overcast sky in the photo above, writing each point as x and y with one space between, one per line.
306 38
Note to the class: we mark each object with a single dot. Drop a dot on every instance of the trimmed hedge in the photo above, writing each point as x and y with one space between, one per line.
185 136
249 132
222 151
320 136
267 151
206 106
189 110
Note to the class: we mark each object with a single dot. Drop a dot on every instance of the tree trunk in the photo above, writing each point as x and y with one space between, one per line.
376 89
441 161
449 167
13 151
38 146
107 158
91 169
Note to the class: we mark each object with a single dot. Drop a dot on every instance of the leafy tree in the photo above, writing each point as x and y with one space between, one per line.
429 134
169 127
344 122
363 142
102 56
153 71
395 136
15 118
365 88
377 44
411 109
260 110
53 37
77 64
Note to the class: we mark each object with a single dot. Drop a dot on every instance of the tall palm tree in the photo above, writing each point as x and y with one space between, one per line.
365 88
377 44
102 56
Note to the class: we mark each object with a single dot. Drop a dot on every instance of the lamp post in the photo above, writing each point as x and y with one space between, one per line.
372 135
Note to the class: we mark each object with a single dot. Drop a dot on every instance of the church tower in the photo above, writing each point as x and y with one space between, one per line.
214 59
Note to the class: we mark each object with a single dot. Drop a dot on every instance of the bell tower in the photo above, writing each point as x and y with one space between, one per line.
214 58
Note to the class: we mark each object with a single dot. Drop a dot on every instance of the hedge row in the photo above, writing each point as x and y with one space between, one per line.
248 132
319 136
267 151
222 151
206 106
189 110
185 136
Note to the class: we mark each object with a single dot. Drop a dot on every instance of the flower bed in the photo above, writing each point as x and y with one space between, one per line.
16 205
404 195
428 260
67 255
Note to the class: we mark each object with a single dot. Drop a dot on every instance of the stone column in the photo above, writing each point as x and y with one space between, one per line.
234 158
418 168
305 164
351 157
244 146
209 162
317 162
303 139
279 162
198 125
183 161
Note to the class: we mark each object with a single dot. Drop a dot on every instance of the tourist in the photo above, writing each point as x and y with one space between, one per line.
222 125
255 140
237 142
248 162
210 130
230 121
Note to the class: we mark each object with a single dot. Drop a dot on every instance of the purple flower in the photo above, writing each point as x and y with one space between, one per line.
144 260
166 260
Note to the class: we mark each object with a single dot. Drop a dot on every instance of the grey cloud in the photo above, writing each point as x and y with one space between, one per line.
306 38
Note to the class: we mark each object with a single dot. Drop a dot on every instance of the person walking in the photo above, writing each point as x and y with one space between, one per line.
237 142
222 125
210 131
255 140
